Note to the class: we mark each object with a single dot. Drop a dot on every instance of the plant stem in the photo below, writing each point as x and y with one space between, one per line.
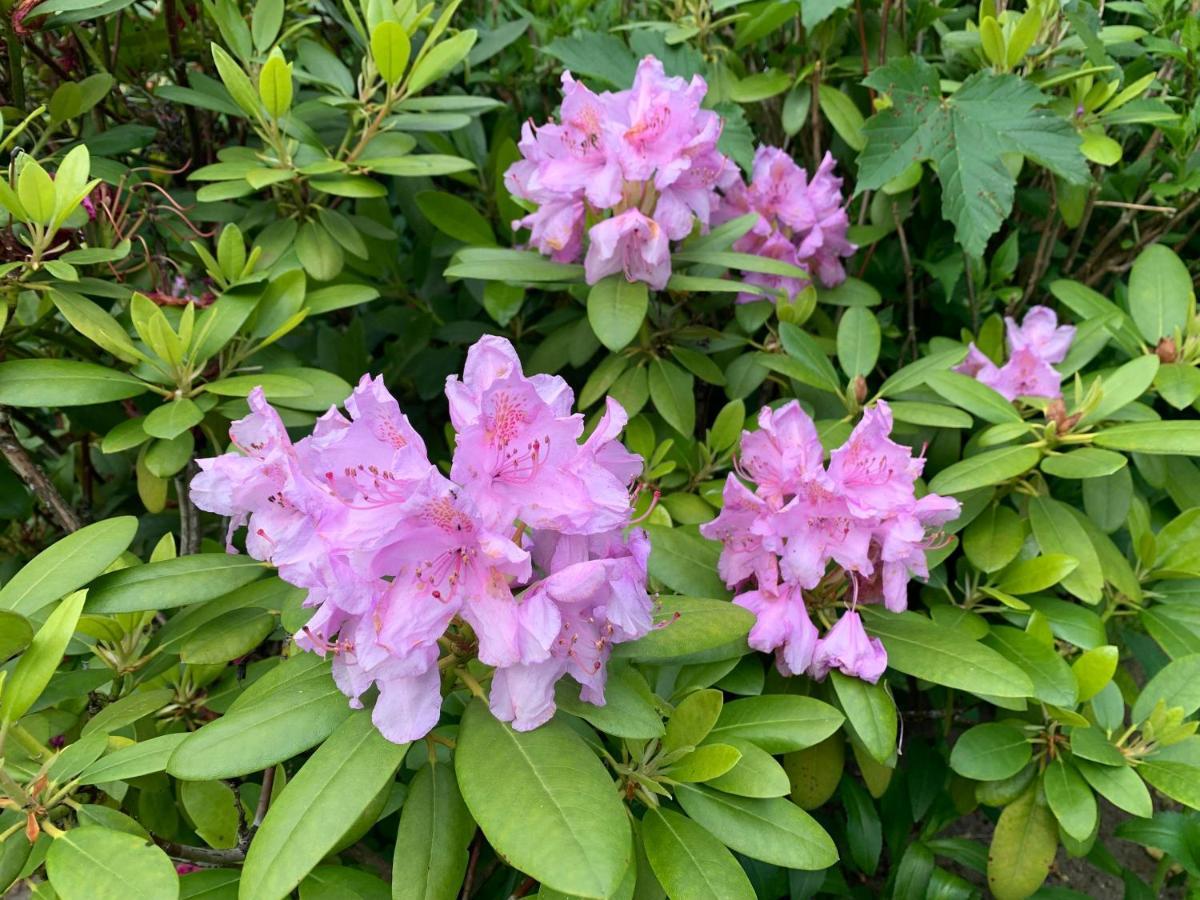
37 481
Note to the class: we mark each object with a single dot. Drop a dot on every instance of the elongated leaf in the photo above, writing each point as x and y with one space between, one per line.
435 831
689 627
616 308
67 565
1057 531
870 713
779 723
36 665
141 758
63 382
1022 849
983 469
684 561
689 862
572 833
1180 437
775 831
172 582
94 863
924 649
318 806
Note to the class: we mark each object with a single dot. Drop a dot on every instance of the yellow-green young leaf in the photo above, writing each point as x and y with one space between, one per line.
1094 669
992 39
36 190
1028 576
1023 36
693 719
275 85
441 60
1129 92
1023 847
33 670
390 48
705 763
97 325
237 82
1100 148
842 114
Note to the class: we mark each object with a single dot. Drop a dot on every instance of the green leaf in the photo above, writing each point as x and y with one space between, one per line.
841 112
924 649
67 565
454 216
858 340
318 806
693 719
1177 684
929 415
1176 436
127 710
616 309
96 325
672 390
1070 799
93 863
172 582
1053 681
343 883
990 752
1095 668
775 830
36 190
1160 293
237 82
33 670
509 265
704 763
803 349
689 862
260 731
63 382
275 85
227 637
918 372
1124 385
778 723
965 136
1085 462
1028 576
319 254
993 539
629 709
1057 531
1176 780
212 808
390 48
572 833
757 773
172 419
265 23
1022 849
1119 785
440 60
15 634
142 758
870 713
983 469
274 386
684 561
431 844
689 627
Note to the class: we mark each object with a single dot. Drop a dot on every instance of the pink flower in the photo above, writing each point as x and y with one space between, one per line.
850 532
1034 347
642 164
847 648
395 556
1040 333
630 243
800 222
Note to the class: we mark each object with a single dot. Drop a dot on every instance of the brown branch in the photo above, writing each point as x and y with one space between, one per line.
29 472
189 516
264 798
472 862
367 857
227 858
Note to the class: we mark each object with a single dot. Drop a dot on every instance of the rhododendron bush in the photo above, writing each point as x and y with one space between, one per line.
481 450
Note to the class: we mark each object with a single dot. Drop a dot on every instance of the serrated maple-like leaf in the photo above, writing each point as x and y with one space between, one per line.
964 136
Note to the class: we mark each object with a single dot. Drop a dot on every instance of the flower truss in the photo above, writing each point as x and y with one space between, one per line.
811 534
1034 347
521 557
800 221
641 164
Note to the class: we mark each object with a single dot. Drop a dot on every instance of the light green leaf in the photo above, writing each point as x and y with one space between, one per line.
572 833
390 48
94 863
431 844
63 382
690 862
616 309
778 723
172 582
983 469
858 339
1057 532
691 627
1022 849
1160 293
990 752
1070 799
685 562
29 677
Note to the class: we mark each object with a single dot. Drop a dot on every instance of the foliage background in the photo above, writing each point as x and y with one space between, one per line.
290 194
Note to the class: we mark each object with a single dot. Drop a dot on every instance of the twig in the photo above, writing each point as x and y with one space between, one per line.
264 798
372 860
1143 207
189 516
525 887
231 857
910 294
30 473
468 881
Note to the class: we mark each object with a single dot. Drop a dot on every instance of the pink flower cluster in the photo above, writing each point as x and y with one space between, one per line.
799 221
859 513
1034 347
521 555
641 164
